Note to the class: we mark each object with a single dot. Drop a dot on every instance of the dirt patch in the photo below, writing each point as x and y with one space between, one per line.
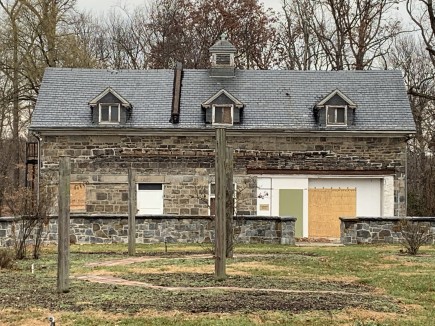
22 292
247 281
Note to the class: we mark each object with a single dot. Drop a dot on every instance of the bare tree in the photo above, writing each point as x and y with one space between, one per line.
32 214
423 15
410 55
34 34
298 47
338 34
11 70
416 58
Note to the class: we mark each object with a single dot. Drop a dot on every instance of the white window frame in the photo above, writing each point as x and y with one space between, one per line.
110 105
161 209
213 195
214 114
335 123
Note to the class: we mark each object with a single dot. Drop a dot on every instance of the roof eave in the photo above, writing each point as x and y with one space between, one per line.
210 131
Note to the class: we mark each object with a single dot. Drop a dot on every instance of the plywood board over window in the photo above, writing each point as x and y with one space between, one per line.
77 197
325 207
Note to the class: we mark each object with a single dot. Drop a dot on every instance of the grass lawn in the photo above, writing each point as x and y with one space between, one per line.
267 284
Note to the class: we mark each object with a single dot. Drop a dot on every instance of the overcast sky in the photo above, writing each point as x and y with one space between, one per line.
101 5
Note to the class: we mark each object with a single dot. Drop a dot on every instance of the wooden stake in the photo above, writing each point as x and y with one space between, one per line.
230 202
63 225
220 239
132 210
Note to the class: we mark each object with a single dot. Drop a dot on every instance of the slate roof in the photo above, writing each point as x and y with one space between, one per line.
276 99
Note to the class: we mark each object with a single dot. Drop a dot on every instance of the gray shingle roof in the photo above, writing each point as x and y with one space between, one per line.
277 99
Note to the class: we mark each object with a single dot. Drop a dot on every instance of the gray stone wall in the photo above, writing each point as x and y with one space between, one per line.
113 229
362 230
185 164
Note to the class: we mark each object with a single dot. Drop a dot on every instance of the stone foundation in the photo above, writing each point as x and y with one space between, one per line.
165 228
362 230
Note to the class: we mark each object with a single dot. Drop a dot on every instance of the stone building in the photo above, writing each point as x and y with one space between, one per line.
315 145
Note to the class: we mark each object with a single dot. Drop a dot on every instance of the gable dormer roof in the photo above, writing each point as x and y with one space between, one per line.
108 90
337 92
235 101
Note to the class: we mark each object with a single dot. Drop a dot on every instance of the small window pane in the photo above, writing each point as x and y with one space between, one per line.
340 115
336 115
331 115
218 115
104 113
114 113
150 186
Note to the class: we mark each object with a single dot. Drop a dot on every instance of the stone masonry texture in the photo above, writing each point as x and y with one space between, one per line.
363 230
159 229
184 164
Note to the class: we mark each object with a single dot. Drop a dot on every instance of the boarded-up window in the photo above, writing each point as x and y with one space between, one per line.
325 207
223 115
77 197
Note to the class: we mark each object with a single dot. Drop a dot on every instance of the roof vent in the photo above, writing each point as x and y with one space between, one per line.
222 58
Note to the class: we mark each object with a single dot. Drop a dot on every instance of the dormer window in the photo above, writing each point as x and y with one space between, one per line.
110 108
336 115
223 109
223 114
109 113
335 110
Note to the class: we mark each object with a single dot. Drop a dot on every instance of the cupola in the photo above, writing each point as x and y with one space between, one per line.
222 58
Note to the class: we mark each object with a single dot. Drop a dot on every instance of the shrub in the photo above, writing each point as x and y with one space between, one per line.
6 258
33 216
414 235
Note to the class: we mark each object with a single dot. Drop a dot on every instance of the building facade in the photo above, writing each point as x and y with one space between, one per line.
315 145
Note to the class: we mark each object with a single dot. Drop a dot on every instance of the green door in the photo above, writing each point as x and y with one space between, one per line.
291 203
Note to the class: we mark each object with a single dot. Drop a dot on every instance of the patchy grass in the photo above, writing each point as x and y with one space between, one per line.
366 285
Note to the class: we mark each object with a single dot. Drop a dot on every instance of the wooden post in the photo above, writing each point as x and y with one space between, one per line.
230 202
63 225
220 241
132 210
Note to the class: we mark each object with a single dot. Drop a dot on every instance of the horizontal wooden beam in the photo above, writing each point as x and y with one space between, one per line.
320 172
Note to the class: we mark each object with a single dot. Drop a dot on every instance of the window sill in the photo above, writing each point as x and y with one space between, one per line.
338 125
222 124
